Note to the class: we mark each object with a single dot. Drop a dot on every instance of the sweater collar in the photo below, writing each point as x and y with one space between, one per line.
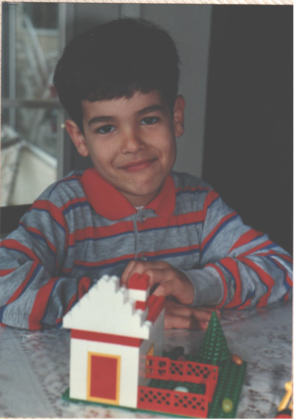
111 204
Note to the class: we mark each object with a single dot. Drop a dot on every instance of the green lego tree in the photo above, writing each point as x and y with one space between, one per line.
214 347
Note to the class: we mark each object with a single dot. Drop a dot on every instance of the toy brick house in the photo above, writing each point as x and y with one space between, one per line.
113 330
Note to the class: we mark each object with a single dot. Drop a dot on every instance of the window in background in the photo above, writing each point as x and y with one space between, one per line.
31 45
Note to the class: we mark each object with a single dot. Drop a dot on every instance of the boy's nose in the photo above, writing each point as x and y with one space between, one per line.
132 142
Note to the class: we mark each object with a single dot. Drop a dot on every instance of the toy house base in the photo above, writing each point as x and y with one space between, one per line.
230 380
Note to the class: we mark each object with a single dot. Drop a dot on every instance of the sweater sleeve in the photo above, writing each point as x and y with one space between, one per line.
34 288
239 266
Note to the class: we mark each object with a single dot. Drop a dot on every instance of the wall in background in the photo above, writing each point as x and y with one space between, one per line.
248 155
189 25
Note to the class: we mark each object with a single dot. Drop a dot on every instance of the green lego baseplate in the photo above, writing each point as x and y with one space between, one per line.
213 351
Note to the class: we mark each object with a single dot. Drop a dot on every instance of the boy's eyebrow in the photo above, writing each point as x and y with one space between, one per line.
151 108
100 119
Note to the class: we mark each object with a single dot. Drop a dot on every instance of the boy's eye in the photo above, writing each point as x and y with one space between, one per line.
149 120
105 129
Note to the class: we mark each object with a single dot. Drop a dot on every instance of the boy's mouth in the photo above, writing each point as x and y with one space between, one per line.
138 165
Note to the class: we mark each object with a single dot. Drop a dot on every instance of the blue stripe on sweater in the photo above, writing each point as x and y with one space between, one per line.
100 239
39 237
17 250
217 198
131 231
74 206
48 212
33 276
48 300
127 260
170 227
285 283
75 178
222 226
251 294
174 254
181 192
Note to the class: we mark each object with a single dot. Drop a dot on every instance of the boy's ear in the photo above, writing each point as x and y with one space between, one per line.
178 119
77 137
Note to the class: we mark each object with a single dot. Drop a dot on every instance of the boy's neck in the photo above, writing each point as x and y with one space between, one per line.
140 201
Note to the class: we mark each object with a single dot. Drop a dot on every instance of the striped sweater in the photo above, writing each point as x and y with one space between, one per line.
81 228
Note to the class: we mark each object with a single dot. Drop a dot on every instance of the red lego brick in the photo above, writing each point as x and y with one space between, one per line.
106 338
138 282
140 305
103 377
156 305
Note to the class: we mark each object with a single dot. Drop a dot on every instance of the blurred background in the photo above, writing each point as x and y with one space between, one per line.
236 77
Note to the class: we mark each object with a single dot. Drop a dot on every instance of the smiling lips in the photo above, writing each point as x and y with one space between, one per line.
138 165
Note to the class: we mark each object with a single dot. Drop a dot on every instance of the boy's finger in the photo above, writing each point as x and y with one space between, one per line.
176 309
177 321
183 322
165 287
127 271
141 267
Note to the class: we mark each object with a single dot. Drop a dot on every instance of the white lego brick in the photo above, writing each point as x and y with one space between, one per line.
140 295
106 308
78 369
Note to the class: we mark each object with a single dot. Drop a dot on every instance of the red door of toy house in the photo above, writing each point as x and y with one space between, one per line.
103 378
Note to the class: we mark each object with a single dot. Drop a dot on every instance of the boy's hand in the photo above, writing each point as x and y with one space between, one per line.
170 281
180 316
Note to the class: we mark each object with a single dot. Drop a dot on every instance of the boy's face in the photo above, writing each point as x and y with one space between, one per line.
131 142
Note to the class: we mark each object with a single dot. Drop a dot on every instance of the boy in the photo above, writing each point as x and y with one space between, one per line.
131 212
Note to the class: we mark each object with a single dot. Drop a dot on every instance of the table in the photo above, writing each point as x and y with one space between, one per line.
34 366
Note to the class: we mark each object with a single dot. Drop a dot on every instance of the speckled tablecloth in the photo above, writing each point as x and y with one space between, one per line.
34 366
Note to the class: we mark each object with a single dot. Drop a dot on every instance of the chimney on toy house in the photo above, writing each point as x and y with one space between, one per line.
138 286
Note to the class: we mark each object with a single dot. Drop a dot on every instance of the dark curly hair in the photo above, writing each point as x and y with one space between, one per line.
116 59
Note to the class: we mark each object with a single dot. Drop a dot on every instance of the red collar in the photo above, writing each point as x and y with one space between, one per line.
111 204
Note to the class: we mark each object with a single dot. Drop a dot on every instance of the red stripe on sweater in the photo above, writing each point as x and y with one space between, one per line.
83 288
174 220
21 287
40 304
247 303
132 256
288 279
245 238
100 232
232 265
74 201
265 278
256 248
211 196
98 263
38 232
172 250
17 246
54 211
212 233
69 305
5 272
